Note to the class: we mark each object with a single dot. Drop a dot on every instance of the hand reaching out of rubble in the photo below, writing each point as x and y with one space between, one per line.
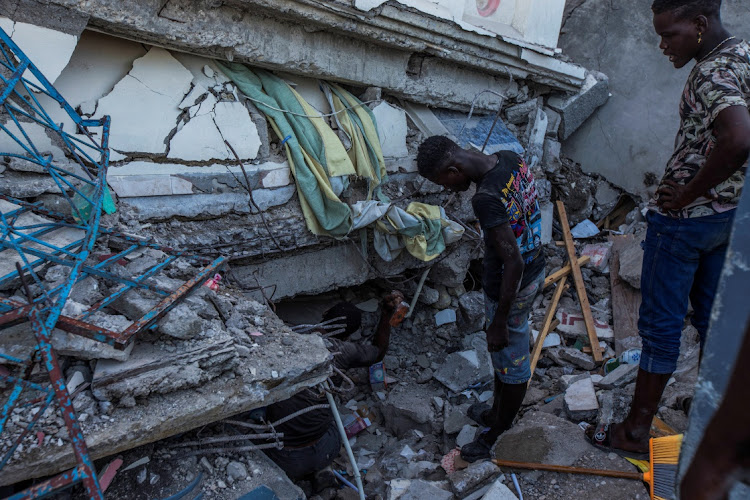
392 300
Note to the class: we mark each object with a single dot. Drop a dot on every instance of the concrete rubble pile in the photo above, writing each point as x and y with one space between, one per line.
435 370
215 354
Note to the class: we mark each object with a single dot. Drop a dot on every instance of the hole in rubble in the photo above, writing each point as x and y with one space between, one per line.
473 281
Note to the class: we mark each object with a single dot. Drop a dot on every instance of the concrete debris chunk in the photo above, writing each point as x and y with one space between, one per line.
456 418
465 481
181 323
580 400
519 113
445 317
577 358
472 310
498 491
463 369
419 489
466 435
631 262
576 109
408 408
619 377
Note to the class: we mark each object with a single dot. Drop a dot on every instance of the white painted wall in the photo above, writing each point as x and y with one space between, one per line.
533 21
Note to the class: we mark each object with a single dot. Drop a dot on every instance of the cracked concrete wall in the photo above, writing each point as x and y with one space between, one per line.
630 139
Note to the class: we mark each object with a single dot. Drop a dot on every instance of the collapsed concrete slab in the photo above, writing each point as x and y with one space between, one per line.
281 364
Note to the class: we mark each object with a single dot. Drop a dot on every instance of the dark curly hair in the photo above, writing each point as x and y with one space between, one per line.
433 153
352 315
688 8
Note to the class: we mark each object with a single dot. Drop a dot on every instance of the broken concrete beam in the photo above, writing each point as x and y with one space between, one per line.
580 400
160 369
576 109
619 377
519 113
304 364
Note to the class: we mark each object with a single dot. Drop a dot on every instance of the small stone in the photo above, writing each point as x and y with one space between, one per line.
237 471
208 71
619 377
445 317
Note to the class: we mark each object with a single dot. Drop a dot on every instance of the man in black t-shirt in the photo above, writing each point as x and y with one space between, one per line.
312 440
506 206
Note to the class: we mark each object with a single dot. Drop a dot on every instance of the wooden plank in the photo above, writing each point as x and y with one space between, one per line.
547 326
588 318
564 271
626 300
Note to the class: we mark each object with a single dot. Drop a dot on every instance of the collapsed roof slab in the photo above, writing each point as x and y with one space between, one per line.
276 370
431 60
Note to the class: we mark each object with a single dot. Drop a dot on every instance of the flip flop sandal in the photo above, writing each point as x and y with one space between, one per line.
602 439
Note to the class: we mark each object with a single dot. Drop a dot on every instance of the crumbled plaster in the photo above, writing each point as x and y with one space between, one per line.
144 104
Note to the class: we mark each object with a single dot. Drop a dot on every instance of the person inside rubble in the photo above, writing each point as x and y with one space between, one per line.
690 218
506 206
312 440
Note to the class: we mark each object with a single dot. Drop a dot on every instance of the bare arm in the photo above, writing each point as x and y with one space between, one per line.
383 333
504 243
732 132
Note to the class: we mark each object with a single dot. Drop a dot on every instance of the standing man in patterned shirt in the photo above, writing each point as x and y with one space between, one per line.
506 206
690 218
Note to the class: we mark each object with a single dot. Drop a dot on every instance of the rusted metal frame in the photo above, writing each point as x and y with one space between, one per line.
57 483
50 363
129 285
168 303
33 264
19 314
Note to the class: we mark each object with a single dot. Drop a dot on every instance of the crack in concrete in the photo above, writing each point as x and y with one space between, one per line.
152 90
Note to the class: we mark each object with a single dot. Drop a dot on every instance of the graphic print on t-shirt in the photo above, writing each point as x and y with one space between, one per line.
520 200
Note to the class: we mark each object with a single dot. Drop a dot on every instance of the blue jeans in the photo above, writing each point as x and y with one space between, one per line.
682 259
512 364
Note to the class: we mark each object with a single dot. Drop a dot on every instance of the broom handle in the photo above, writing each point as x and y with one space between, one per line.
571 470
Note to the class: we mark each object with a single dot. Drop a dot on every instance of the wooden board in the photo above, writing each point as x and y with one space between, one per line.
547 327
588 318
564 271
626 300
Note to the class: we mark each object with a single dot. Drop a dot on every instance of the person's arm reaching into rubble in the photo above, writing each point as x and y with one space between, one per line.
503 240
383 333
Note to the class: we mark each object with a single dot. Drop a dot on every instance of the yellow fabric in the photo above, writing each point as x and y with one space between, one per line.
337 160
358 153
336 156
